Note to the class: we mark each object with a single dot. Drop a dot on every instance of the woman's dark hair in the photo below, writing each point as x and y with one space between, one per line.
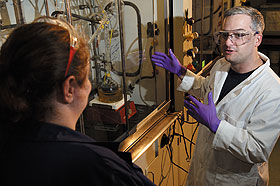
33 62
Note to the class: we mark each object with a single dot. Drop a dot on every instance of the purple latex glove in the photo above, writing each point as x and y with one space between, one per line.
172 64
204 114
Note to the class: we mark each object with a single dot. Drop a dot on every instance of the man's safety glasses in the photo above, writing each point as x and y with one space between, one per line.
236 37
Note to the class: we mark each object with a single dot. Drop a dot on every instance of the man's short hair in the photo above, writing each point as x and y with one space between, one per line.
256 17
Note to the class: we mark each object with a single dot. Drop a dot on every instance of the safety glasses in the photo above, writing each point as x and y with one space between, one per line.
74 44
71 55
236 37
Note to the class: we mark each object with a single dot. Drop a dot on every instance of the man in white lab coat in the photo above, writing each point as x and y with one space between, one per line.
240 116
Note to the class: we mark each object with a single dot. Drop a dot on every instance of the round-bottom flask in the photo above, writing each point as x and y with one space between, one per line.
109 91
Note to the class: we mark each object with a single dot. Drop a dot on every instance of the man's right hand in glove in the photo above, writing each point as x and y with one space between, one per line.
172 64
205 114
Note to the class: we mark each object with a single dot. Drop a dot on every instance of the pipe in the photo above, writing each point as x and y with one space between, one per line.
123 66
47 8
68 11
55 13
18 12
133 74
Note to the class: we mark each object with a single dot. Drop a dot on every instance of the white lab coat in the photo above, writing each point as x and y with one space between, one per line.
237 155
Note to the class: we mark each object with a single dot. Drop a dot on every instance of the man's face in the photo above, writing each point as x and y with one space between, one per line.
238 40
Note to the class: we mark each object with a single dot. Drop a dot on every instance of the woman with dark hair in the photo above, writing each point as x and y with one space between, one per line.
44 69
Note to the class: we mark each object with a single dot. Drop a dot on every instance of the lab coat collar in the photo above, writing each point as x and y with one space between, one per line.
221 75
42 132
49 132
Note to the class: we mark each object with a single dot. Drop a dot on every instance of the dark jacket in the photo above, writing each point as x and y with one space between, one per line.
44 154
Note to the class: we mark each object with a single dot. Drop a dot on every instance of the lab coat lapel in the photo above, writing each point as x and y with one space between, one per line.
233 93
219 80
239 88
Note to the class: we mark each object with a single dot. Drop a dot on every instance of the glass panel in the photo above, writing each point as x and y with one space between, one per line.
105 118
125 82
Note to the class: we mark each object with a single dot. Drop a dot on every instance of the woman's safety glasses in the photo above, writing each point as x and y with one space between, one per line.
236 37
74 44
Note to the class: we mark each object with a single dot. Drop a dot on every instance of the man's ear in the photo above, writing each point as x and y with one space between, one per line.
68 88
258 40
